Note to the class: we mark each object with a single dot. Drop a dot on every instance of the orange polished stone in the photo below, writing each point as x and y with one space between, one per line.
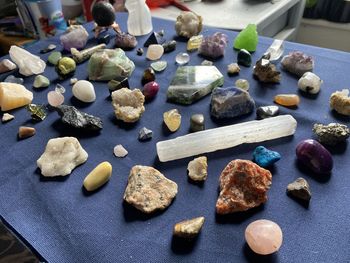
287 100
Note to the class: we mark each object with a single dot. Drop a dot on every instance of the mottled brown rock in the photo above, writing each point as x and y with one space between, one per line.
148 190
299 189
189 228
243 185
25 132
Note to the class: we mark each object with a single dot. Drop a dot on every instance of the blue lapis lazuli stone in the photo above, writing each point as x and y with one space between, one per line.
265 157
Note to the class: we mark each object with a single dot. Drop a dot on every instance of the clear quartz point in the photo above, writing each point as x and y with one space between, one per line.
276 50
60 89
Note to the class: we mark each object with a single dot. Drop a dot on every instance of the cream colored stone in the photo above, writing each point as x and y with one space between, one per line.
154 52
172 119
98 176
13 95
84 91
7 117
198 169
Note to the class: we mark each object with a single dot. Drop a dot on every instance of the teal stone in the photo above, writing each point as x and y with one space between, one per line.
265 157
244 58
192 83
54 57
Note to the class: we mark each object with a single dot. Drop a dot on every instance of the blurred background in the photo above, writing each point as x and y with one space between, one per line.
324 23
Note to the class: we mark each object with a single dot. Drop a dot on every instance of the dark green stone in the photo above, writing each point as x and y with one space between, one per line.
169 46
197 123
37 112
244 58
148 76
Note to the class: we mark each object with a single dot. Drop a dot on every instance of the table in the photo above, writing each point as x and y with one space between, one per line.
66 225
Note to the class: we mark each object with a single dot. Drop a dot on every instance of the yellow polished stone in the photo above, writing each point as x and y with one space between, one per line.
13 96
172 119
288 100
194 43
98 176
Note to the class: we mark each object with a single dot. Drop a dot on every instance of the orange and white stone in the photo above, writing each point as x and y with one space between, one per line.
13 95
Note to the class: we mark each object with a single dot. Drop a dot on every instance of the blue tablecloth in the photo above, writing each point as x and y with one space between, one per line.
65 225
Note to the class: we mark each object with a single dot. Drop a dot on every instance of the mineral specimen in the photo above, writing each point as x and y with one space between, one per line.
198 169
247 39
118 83
242 84
125 41
26 132
197 122
265 71
332 133
189 228
230 102
169 46
244 58
233 69
145 134
154 52
191 83
287 100
148 76
150 90
264 237
28 64
81 56
148 190
310 83
297 63
37 112
104 39
154 38
65 67
299 189
48 49
159 66
72 81
276 50
139 51
243 185
13 96
84 91
119 151
61 156
340 102
265 157
7 117
6 65
76 36
98 176
103 14
207 63
55 98
172 119
194 43
109 64
128 104
230 136
188 24
267 111
313 155
77 119
13 79
41 81
182 59
213 46
54 58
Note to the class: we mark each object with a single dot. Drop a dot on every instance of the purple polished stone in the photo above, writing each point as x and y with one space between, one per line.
150 90
214 46
125 41
313 155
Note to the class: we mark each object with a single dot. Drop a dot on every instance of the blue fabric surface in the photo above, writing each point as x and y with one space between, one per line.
66 225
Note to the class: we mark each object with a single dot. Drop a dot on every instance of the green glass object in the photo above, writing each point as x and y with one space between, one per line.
247 39
54 57
37 112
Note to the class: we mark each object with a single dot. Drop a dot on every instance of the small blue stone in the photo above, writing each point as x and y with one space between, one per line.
264 157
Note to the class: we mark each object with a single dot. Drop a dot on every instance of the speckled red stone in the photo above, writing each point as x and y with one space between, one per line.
243 185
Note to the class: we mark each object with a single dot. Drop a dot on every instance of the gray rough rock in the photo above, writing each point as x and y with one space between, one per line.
299 189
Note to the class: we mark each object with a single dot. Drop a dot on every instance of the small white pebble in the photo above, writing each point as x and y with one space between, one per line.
73 81
7 117
120 151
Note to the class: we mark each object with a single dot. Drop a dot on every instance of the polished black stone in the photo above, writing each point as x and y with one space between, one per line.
244 58
155 38
103 14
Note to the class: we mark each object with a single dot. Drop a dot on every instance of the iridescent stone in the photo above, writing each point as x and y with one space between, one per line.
41 81
207 63
188 228
198 169
340 102
169 46
287 100
13 79
247 39
139 51
310 83
172 119
233 69
265 157
148 76
332 133
191 83
267 111
55 98
48 49
299 189
119 151
154 52
159 66
182 59
313 155
76 36
150 90
13 96
26 132
188 24
264 237
267 72
155 38
118 83
194 43
145 134
125 41
244 58
54 57
197 122
81 56
230 102
214 46
84 91
7 65
37 112
65 67
98 176
297 63
242 84
7 117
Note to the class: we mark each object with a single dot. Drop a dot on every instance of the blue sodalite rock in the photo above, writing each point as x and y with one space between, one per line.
230 102
265 157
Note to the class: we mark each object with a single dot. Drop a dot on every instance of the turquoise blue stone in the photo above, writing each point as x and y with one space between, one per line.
265 157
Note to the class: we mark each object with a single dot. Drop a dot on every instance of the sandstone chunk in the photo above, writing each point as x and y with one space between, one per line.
189 228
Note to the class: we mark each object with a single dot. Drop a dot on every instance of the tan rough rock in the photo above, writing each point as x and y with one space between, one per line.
189 228
13 95
198 169
340 102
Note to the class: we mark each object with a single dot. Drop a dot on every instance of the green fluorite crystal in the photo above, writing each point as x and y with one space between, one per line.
247 39
37 112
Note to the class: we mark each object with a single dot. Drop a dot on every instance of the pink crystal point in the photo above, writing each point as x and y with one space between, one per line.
263 236
55 98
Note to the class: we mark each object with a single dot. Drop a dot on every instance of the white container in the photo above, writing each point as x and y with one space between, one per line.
139 18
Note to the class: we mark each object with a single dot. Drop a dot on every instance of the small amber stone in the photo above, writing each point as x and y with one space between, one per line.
25 132
288 100
172 119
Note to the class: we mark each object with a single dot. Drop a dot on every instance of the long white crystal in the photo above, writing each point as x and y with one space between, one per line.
226 137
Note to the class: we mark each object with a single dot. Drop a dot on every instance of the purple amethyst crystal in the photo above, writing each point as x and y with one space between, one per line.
75 36
125 41
214 46
298 63
313 155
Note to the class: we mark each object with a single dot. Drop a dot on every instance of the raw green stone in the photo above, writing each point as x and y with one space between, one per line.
54 57
37 112
65 67
159 65
191 83
247 39
244 58
41 81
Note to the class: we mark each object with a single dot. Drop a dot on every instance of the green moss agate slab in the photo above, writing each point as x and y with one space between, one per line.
191 83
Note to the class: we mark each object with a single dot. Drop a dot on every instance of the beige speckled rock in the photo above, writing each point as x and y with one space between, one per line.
148 190
189 228
197 169
340 102
61 156
13 95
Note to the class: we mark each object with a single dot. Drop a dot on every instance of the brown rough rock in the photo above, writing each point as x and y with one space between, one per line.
243 185
148 190
189 228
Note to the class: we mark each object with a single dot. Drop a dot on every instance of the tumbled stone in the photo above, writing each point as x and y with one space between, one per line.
155 38
230 102
242 84
7 65
26 132
213 46
7 117
61 156
340 102
244 58
233 69
310 83
13 79
65 67
125 41
120 151
128 104
54 57
78 119
159 66
139 51
154 52
207 63
299 189
55 98
41 81
148 190
48 49
83 55
189 228
314 156
172 119
264 237
197 122
332 133
145 134
194 43
98 176
298 63
267 111
103 14
182 58
118 83
243 185
265 157
287 100
169 46
198 169
150 90
148 76
265 71
37 112
84 91
247 39
76 36
13 96
188 24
